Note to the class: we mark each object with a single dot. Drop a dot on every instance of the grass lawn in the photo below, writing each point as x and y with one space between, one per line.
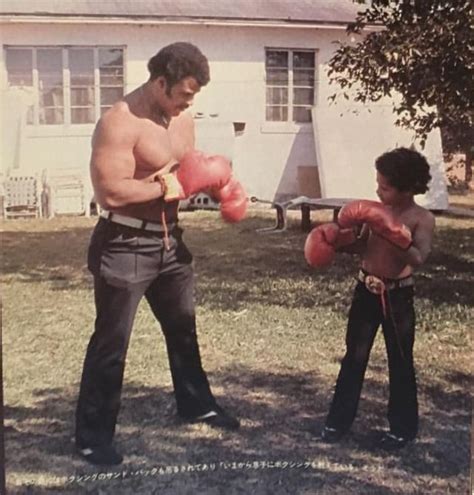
271 332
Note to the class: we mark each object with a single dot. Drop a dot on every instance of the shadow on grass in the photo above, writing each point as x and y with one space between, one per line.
447 278
281 414
54 257
235 266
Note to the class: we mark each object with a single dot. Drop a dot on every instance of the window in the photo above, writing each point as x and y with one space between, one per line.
50 86
81 73
290 76
71 85
111 76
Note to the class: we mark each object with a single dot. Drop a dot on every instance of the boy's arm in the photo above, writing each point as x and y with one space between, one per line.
357 247
422 236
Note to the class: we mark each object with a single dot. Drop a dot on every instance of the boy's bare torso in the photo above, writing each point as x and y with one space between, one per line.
383 259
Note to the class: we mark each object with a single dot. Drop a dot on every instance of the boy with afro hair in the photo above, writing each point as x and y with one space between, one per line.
384 295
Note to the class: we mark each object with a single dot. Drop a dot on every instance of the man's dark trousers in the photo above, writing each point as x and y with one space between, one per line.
128 264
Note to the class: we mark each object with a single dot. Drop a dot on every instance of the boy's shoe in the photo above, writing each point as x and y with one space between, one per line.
101 455
331 435
217 418
389 441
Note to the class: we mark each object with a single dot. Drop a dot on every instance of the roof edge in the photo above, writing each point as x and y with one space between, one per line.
139 19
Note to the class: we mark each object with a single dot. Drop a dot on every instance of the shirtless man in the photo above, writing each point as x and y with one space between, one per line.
395 239
137 250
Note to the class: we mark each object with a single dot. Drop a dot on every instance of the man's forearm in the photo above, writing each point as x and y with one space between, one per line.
126 192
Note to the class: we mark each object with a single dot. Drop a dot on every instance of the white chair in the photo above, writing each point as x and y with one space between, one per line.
66 191
22 197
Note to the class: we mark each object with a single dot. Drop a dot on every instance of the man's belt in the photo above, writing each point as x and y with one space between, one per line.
136 223
377 285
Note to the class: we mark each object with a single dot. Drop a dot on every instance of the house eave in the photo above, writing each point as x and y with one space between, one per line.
153 21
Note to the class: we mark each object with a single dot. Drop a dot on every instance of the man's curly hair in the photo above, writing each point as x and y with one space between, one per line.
177 61
405 169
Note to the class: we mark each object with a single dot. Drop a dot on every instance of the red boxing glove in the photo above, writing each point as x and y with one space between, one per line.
317 250
379 218
338 237
196 172
322 242
233 200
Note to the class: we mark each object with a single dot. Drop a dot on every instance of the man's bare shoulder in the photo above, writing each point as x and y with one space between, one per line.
117 123
118 114
188 118
183 121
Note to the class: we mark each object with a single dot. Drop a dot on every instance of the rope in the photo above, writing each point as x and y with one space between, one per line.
165 228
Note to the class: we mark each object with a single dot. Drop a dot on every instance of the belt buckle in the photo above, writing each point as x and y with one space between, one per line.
374 284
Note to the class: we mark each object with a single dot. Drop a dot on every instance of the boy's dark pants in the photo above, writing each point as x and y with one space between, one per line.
365 316
128 264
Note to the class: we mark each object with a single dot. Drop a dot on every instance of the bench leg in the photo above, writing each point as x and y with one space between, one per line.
281 220
305 218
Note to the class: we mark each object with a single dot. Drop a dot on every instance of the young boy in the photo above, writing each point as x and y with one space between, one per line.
395 239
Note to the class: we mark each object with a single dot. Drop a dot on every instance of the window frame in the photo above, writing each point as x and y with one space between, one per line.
290 104
66 81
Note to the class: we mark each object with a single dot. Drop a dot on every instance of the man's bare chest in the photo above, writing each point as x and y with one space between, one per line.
158 147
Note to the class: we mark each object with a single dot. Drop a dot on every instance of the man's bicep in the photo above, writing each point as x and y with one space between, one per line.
113 164
112 155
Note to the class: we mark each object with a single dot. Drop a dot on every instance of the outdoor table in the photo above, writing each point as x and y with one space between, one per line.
305 205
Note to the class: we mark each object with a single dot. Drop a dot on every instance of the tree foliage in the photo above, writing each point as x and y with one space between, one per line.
422 50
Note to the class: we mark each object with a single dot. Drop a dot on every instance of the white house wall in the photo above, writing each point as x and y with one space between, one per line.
266 156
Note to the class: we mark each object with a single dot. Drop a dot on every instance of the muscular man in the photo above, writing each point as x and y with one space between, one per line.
136 248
